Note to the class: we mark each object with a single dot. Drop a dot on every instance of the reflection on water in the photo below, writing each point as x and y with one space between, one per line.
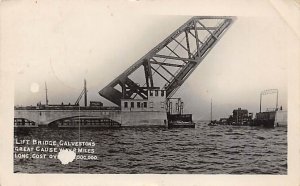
204 150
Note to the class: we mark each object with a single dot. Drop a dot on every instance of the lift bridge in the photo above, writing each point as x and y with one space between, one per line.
171 62
163 69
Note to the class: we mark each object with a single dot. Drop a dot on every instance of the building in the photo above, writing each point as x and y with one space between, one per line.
239 117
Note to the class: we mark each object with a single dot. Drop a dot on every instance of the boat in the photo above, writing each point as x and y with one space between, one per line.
213 123
180 121
274 117
175 116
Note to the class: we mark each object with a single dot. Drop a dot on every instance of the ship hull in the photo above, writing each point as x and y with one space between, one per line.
271 119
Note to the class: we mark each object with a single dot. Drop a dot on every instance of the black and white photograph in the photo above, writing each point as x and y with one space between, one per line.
126 87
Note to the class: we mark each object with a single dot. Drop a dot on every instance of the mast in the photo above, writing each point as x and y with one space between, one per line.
46 93
85 94
210 110
276 101
260 102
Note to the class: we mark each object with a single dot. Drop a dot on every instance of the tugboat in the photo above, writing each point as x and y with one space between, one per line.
176 118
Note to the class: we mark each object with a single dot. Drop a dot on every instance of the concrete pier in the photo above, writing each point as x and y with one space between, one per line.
129 118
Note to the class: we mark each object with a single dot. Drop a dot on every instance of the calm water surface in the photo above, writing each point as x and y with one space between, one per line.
203 150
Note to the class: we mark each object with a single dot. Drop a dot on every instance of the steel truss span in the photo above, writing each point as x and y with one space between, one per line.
171 62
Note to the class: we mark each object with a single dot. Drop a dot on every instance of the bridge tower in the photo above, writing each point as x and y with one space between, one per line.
171 62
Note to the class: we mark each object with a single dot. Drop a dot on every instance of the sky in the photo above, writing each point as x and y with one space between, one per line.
62 45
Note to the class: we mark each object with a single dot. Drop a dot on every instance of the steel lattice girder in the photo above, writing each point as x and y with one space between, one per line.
187 47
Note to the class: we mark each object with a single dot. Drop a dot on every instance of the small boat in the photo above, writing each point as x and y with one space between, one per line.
213 123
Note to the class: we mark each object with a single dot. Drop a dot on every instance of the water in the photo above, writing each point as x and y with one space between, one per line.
203 150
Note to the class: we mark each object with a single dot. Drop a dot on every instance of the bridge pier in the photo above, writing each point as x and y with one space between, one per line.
134 118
